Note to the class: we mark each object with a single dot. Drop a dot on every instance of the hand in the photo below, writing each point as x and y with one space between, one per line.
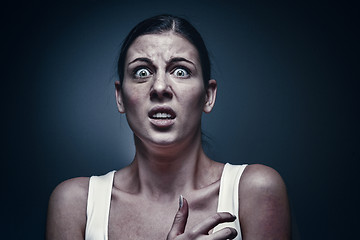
200 231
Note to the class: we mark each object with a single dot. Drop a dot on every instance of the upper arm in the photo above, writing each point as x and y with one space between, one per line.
67 210
263 204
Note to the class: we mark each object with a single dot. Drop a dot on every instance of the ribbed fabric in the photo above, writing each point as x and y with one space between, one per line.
98 206
229 196
99 198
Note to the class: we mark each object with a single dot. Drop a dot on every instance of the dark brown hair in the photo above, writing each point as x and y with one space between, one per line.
161 24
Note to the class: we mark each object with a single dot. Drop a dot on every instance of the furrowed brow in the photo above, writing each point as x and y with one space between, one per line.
142 59
180 59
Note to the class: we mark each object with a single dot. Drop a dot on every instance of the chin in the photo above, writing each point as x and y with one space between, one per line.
164 141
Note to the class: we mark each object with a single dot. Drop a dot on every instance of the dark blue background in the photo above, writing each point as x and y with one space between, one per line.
288 98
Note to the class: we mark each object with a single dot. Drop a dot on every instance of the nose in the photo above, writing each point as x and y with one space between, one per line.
161 89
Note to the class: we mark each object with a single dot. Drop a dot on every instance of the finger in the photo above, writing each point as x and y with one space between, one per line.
212 221
225 233
178 226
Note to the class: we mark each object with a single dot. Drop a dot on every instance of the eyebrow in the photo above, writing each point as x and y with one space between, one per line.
141 59
180 59
172 60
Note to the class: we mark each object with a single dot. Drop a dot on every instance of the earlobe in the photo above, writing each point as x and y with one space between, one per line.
210 96
119 97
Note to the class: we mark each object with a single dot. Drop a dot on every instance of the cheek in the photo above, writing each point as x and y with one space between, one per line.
132 98
194 98
133 102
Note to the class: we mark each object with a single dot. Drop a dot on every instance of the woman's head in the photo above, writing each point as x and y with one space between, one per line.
165 81
162 24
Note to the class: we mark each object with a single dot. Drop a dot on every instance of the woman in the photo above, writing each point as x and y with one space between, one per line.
164 86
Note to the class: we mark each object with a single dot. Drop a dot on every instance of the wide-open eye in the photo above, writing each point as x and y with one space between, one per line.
181 73
142 73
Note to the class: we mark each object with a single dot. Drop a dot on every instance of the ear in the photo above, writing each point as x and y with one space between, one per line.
210 96
119 97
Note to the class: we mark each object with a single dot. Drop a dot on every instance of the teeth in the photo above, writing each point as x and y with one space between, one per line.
161 115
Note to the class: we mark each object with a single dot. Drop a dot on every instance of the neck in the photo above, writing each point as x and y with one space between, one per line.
165 172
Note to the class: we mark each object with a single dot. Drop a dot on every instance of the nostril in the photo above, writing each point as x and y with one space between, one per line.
166 93
153 94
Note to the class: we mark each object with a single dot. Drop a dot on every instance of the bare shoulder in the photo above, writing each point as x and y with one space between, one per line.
258 177
71 189
264 209
67 210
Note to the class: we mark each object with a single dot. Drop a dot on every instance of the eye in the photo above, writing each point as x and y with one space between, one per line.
181 73
142 73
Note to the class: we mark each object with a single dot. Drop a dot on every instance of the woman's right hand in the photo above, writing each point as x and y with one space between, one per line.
200 231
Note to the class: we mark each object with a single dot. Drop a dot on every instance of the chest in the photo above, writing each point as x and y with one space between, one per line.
137 219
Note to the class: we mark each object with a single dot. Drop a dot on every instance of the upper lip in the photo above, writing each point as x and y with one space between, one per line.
162 109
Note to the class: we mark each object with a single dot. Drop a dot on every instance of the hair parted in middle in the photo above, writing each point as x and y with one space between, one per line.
162 24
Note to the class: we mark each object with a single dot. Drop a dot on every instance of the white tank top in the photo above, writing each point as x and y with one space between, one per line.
99 198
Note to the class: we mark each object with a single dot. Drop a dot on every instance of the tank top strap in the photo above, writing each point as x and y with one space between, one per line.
98 206
229 195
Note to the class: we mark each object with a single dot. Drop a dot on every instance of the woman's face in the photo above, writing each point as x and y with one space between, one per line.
163 93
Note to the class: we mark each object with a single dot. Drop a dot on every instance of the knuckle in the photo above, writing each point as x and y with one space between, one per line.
217 217
230 232
170 236
188 235
178 218
191 234
202 237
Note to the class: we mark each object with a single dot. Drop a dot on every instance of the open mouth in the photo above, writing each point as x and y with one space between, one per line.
162 113
162 117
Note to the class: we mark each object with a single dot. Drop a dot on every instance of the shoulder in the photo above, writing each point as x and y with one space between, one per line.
72 188
263 204
261 183
67 209
259 177
70 193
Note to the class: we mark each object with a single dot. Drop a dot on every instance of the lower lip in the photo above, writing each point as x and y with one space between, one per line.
162 123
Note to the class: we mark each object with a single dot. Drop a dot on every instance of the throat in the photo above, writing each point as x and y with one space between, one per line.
164 181
172 170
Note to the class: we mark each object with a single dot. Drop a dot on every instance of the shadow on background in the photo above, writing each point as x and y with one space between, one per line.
288 98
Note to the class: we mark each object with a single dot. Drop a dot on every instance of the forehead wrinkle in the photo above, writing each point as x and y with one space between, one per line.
162 47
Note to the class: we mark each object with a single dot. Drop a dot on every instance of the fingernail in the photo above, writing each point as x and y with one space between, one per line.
181 201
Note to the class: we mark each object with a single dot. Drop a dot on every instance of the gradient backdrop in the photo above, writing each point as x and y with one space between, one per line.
287 98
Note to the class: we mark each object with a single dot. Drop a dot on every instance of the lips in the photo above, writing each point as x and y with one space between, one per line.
162 116
162 113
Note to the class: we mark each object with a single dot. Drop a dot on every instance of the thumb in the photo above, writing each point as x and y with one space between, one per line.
178 226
